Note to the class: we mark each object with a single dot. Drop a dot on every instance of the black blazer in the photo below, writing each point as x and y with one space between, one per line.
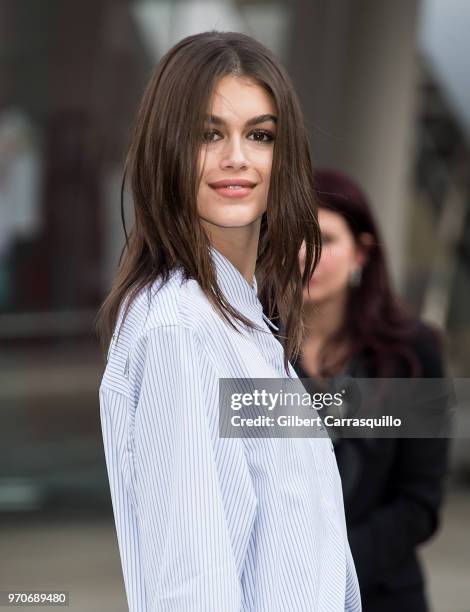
393 490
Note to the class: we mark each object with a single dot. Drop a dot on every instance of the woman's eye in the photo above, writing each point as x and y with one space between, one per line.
262 136
208 135
326 239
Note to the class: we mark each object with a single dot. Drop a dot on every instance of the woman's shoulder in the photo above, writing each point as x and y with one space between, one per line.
418 348
175 301
426 341
426 337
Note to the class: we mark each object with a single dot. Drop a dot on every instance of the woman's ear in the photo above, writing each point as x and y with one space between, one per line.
365 242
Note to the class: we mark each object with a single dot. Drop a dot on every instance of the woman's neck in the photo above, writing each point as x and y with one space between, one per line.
238 244
324 319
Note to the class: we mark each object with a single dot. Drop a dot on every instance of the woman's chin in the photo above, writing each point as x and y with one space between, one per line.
311 295
233 218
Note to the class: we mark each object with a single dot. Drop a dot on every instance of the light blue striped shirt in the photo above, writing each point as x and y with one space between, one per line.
206 523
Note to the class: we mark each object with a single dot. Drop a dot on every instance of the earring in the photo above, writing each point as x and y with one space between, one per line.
355 277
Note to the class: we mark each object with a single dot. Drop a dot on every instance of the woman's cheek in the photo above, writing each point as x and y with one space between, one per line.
329 260
336 267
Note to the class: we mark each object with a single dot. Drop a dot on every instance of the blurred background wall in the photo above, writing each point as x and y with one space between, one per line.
385 87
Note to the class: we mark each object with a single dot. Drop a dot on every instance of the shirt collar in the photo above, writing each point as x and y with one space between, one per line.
237 290
233 284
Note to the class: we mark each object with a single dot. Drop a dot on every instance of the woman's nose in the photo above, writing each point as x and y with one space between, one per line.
233 155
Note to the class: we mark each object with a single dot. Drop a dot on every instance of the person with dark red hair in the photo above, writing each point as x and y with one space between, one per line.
355 325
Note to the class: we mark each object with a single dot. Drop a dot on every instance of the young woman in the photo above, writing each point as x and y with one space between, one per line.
222 186
355 326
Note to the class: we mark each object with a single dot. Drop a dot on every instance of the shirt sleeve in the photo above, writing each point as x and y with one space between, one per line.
193 494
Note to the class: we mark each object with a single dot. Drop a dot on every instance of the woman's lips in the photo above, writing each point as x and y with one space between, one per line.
234 187
233 192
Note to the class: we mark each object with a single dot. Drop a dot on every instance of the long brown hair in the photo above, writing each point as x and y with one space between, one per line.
162 166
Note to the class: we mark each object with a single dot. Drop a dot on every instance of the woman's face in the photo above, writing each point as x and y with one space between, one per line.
236 150
340 256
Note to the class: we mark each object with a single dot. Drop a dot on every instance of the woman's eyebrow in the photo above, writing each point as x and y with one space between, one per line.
215 120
